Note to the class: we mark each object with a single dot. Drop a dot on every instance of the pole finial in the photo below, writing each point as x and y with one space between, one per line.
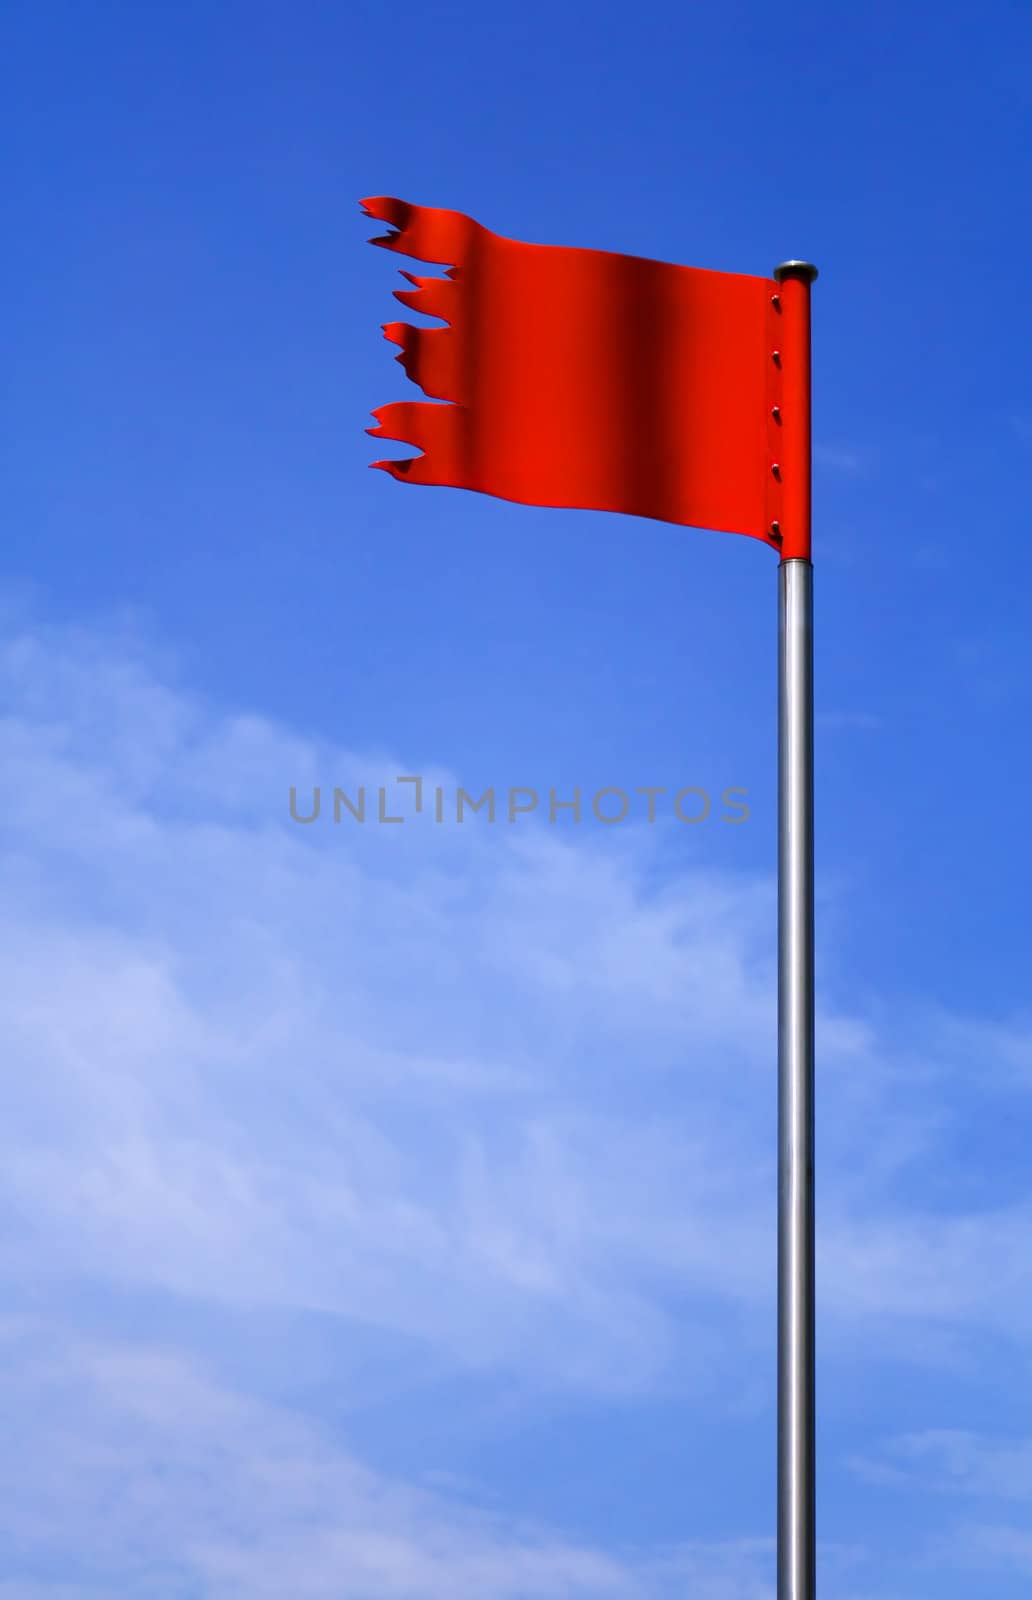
803 270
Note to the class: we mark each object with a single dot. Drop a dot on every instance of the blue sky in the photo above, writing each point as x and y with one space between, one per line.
390 1210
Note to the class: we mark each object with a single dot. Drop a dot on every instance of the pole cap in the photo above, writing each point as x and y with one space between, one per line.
805 271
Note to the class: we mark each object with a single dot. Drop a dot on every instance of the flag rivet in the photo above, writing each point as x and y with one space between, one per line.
776 468
775 356
775 301
775 412
775 531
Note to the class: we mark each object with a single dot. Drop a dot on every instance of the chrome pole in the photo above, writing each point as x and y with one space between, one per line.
796 1397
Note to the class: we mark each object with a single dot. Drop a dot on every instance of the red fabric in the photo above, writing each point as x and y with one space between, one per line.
584 378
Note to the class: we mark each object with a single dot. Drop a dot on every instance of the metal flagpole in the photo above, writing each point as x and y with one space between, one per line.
796 1395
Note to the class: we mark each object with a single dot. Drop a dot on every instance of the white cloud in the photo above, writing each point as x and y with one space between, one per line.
164 1483
489 1089
955 1461
167 1481
385 1072
357 1073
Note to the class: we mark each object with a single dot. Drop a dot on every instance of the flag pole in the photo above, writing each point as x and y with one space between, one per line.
796 1548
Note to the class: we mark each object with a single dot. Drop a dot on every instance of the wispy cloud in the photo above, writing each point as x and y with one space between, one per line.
226 1029
171 1484
496 1094
955 1461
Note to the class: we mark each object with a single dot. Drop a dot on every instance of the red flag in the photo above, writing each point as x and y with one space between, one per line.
590 379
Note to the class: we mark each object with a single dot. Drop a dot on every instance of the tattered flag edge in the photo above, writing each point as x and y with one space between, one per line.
434 236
